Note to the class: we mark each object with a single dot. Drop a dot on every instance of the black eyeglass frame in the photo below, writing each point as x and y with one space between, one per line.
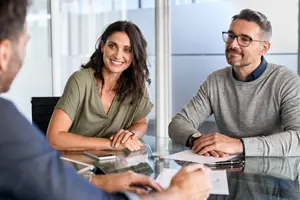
237 36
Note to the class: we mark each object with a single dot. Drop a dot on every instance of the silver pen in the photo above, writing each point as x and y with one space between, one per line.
229 162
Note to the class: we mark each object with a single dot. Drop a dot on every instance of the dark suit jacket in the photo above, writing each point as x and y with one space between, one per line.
31 170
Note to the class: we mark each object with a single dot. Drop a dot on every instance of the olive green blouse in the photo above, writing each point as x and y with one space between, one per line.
82 103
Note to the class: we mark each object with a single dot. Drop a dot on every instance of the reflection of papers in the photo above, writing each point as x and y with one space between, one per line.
189 155
134 160
218 180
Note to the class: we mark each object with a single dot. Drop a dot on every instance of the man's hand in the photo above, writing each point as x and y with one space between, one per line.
219 143
192 182
121 137
128 181
216 154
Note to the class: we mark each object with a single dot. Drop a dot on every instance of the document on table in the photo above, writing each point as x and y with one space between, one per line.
218 180
189 155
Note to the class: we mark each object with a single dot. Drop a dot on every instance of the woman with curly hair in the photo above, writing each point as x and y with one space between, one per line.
105 104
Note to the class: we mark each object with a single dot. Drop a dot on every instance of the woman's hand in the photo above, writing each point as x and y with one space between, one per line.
121 137
131 144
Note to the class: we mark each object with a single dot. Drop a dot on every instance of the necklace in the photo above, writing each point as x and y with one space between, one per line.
109 91
101 89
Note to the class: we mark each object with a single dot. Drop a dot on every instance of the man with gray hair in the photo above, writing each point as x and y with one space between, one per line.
256 104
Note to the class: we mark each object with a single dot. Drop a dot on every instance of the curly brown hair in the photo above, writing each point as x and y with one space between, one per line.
132 81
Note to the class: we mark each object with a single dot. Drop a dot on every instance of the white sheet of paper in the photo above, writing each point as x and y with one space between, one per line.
218 180
189 155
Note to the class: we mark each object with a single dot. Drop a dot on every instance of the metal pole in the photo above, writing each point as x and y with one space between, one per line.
163 61
55 40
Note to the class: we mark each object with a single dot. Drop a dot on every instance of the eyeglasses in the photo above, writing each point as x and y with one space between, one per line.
242 40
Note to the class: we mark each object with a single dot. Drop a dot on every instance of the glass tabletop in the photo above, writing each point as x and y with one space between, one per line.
260 178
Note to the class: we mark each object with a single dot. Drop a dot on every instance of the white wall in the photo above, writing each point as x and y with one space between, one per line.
198 48
35 77
195 29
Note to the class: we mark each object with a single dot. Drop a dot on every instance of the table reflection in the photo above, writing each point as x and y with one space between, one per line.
259 178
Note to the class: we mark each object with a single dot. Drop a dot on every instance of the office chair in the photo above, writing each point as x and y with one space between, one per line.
42 109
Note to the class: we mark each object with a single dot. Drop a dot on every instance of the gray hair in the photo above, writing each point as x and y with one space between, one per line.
260 19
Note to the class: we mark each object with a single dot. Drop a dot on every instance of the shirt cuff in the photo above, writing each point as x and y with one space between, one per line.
253 146
243 146
188 141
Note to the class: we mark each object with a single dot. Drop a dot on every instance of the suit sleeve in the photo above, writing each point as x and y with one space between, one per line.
31 169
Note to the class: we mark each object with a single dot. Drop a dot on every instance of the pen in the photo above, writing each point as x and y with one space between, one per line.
213 167
75 161
99 158
229 162
88 167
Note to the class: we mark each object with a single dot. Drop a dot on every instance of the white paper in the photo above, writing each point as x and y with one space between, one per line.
189 155
218 180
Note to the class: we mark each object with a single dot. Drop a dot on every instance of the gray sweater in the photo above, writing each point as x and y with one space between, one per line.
264 113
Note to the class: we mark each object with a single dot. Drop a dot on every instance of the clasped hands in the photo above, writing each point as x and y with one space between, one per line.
125 139
217 145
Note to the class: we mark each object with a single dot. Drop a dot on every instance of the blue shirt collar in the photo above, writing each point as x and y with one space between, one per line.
257 72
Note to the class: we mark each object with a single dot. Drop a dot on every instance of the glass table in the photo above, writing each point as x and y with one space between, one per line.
260 178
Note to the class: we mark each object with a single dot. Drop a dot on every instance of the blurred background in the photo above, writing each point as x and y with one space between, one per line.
64 32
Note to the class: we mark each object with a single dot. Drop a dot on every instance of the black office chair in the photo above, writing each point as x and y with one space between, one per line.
42 109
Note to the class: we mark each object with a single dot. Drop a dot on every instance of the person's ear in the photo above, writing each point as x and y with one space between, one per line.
5 54
265 48
102 46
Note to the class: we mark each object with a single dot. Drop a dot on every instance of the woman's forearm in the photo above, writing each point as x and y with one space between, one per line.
139 129
70 141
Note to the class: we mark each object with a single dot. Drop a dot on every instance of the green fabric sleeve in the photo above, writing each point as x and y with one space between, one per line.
69 102
143 109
